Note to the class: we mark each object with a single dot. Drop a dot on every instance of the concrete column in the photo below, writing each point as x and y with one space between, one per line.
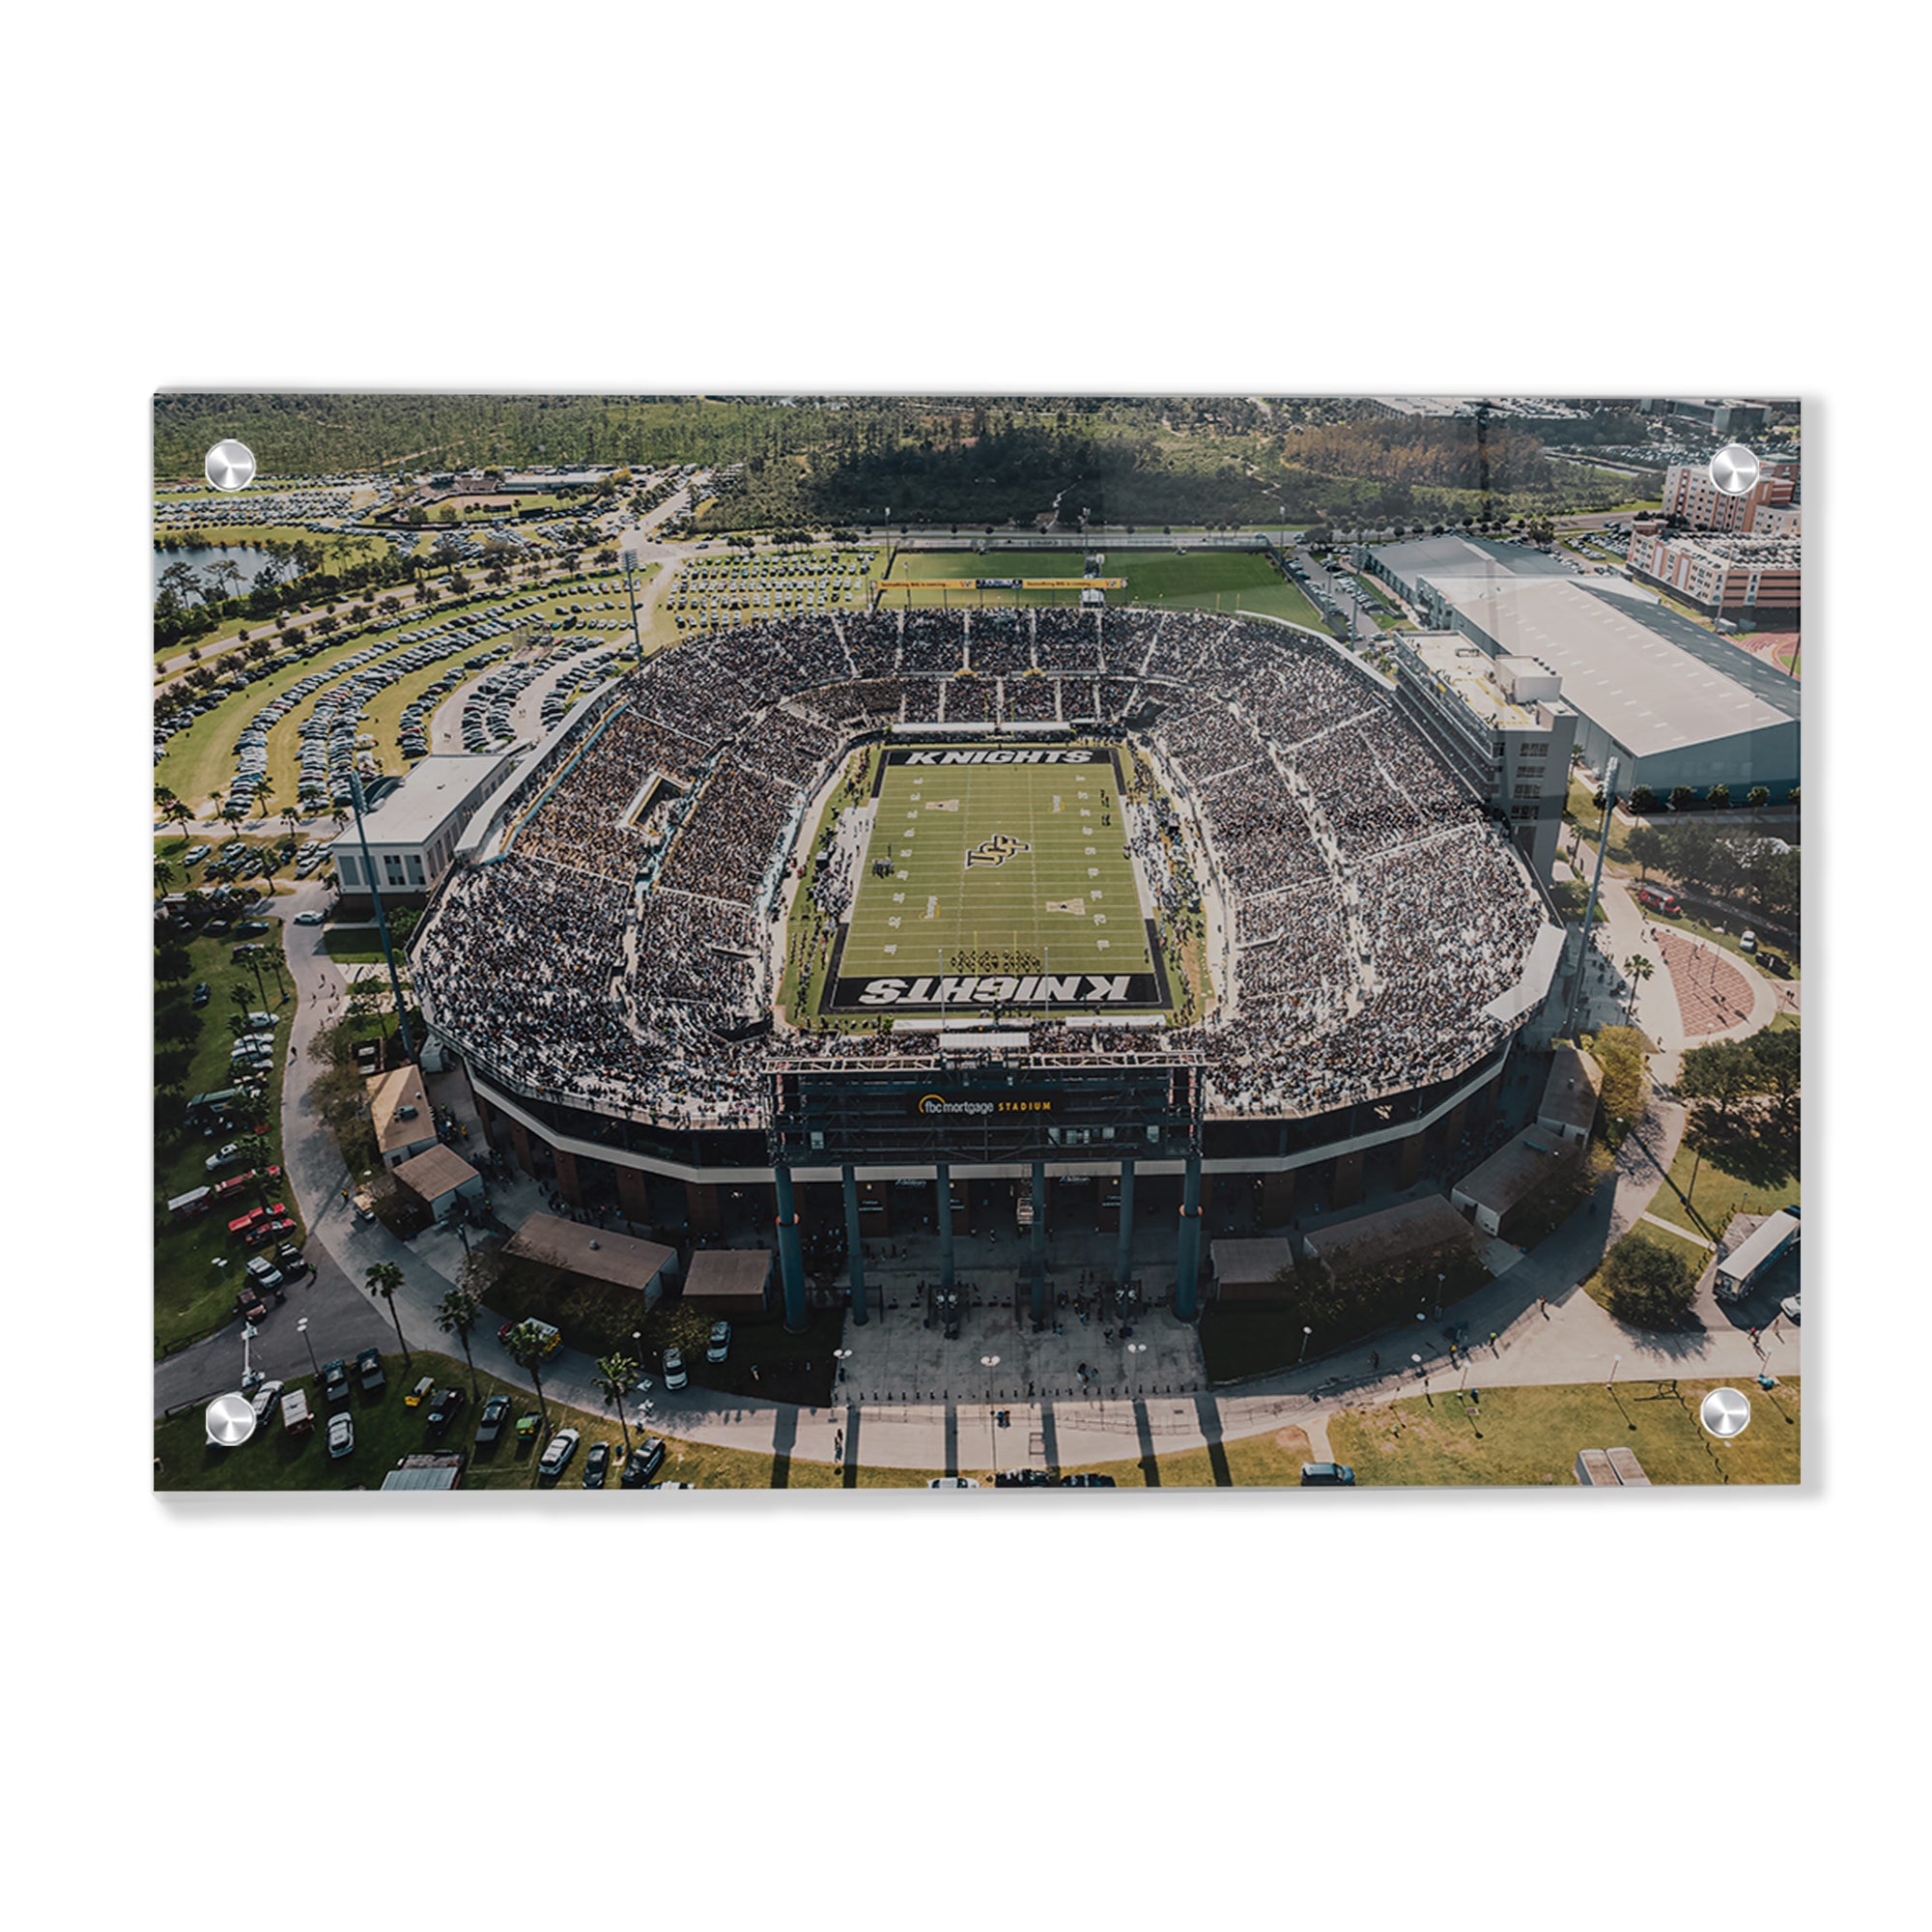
791 1260
1278 1197
1347 1185
1411 1160
567 1183
1040 1240
854 1254
634 1198
701 1205
1187 1268
1123 1264
942 1220
520 1145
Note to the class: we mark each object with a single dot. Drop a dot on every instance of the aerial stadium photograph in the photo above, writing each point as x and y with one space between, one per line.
971 942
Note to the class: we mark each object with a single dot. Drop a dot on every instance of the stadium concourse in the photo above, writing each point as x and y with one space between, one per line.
609 953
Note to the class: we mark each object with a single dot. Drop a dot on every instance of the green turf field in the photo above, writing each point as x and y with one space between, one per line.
997 870
1200 580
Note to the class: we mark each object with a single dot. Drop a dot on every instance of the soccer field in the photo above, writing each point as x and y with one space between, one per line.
1002 874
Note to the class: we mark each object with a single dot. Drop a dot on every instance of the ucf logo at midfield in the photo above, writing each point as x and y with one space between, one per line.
996 851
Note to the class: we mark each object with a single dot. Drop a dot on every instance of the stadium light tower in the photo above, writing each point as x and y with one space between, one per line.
1590 908
382 919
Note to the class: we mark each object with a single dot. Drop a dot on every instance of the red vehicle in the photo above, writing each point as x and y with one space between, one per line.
243 1223
1660 900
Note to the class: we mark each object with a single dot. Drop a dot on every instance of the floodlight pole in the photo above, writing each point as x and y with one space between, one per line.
381 920
1596 881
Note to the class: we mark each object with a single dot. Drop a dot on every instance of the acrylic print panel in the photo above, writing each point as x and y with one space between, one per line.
964 941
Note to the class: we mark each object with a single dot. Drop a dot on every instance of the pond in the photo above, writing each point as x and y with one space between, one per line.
248 559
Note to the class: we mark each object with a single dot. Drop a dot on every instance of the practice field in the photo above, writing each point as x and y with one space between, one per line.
1003 876
1199 579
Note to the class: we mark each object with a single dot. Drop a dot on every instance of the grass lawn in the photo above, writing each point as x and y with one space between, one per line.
1598 1287
353 944
1532 1435
191 1294
1716 1195
1271 1460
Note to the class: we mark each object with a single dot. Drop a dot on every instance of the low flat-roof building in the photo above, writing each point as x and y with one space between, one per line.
400 1113
442 1179
730 1281
1253 1270
1568 1105
426 1472
1491 1194
412 832
1390 1235
594 1255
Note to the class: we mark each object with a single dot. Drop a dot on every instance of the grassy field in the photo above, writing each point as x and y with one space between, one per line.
1532 1435
995 868
1716 1195
1202 580
191 1292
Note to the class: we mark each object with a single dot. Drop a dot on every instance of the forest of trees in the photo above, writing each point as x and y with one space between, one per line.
1214 461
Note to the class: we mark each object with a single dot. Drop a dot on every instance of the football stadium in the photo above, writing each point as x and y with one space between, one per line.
1140 907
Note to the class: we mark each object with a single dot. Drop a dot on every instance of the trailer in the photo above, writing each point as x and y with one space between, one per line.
296 1417
1739 1269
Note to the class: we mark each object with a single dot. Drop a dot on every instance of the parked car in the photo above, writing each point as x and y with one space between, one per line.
309 918
675 1375
1087 1483
645 1459
1748 942
250 926
1793 1306
1327 1476
954 1483
442 1408
489 1424
526 1425
336 1380
341 1434
267 1399
1022 1478
199 997
221 1157
597 1466
369 1368
562 1447
719 1344
1775 963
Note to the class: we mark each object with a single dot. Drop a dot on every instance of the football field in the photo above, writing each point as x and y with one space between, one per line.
998 872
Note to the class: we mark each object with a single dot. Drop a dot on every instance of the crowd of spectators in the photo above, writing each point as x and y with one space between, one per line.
617 950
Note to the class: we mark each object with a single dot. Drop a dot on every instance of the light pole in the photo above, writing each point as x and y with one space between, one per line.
1306 1334
302 1330
249 1377
1134 1349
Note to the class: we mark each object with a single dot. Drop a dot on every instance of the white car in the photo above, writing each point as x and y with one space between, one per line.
562 1447
309 918
1748 942
341 1434
954 1483
222 1158
675 1372
1792 1307
719 1344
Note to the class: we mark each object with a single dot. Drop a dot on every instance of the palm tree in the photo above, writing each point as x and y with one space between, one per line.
528 1346
264 790
164 873
456 1314
385 1277
614 1378
1637 969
